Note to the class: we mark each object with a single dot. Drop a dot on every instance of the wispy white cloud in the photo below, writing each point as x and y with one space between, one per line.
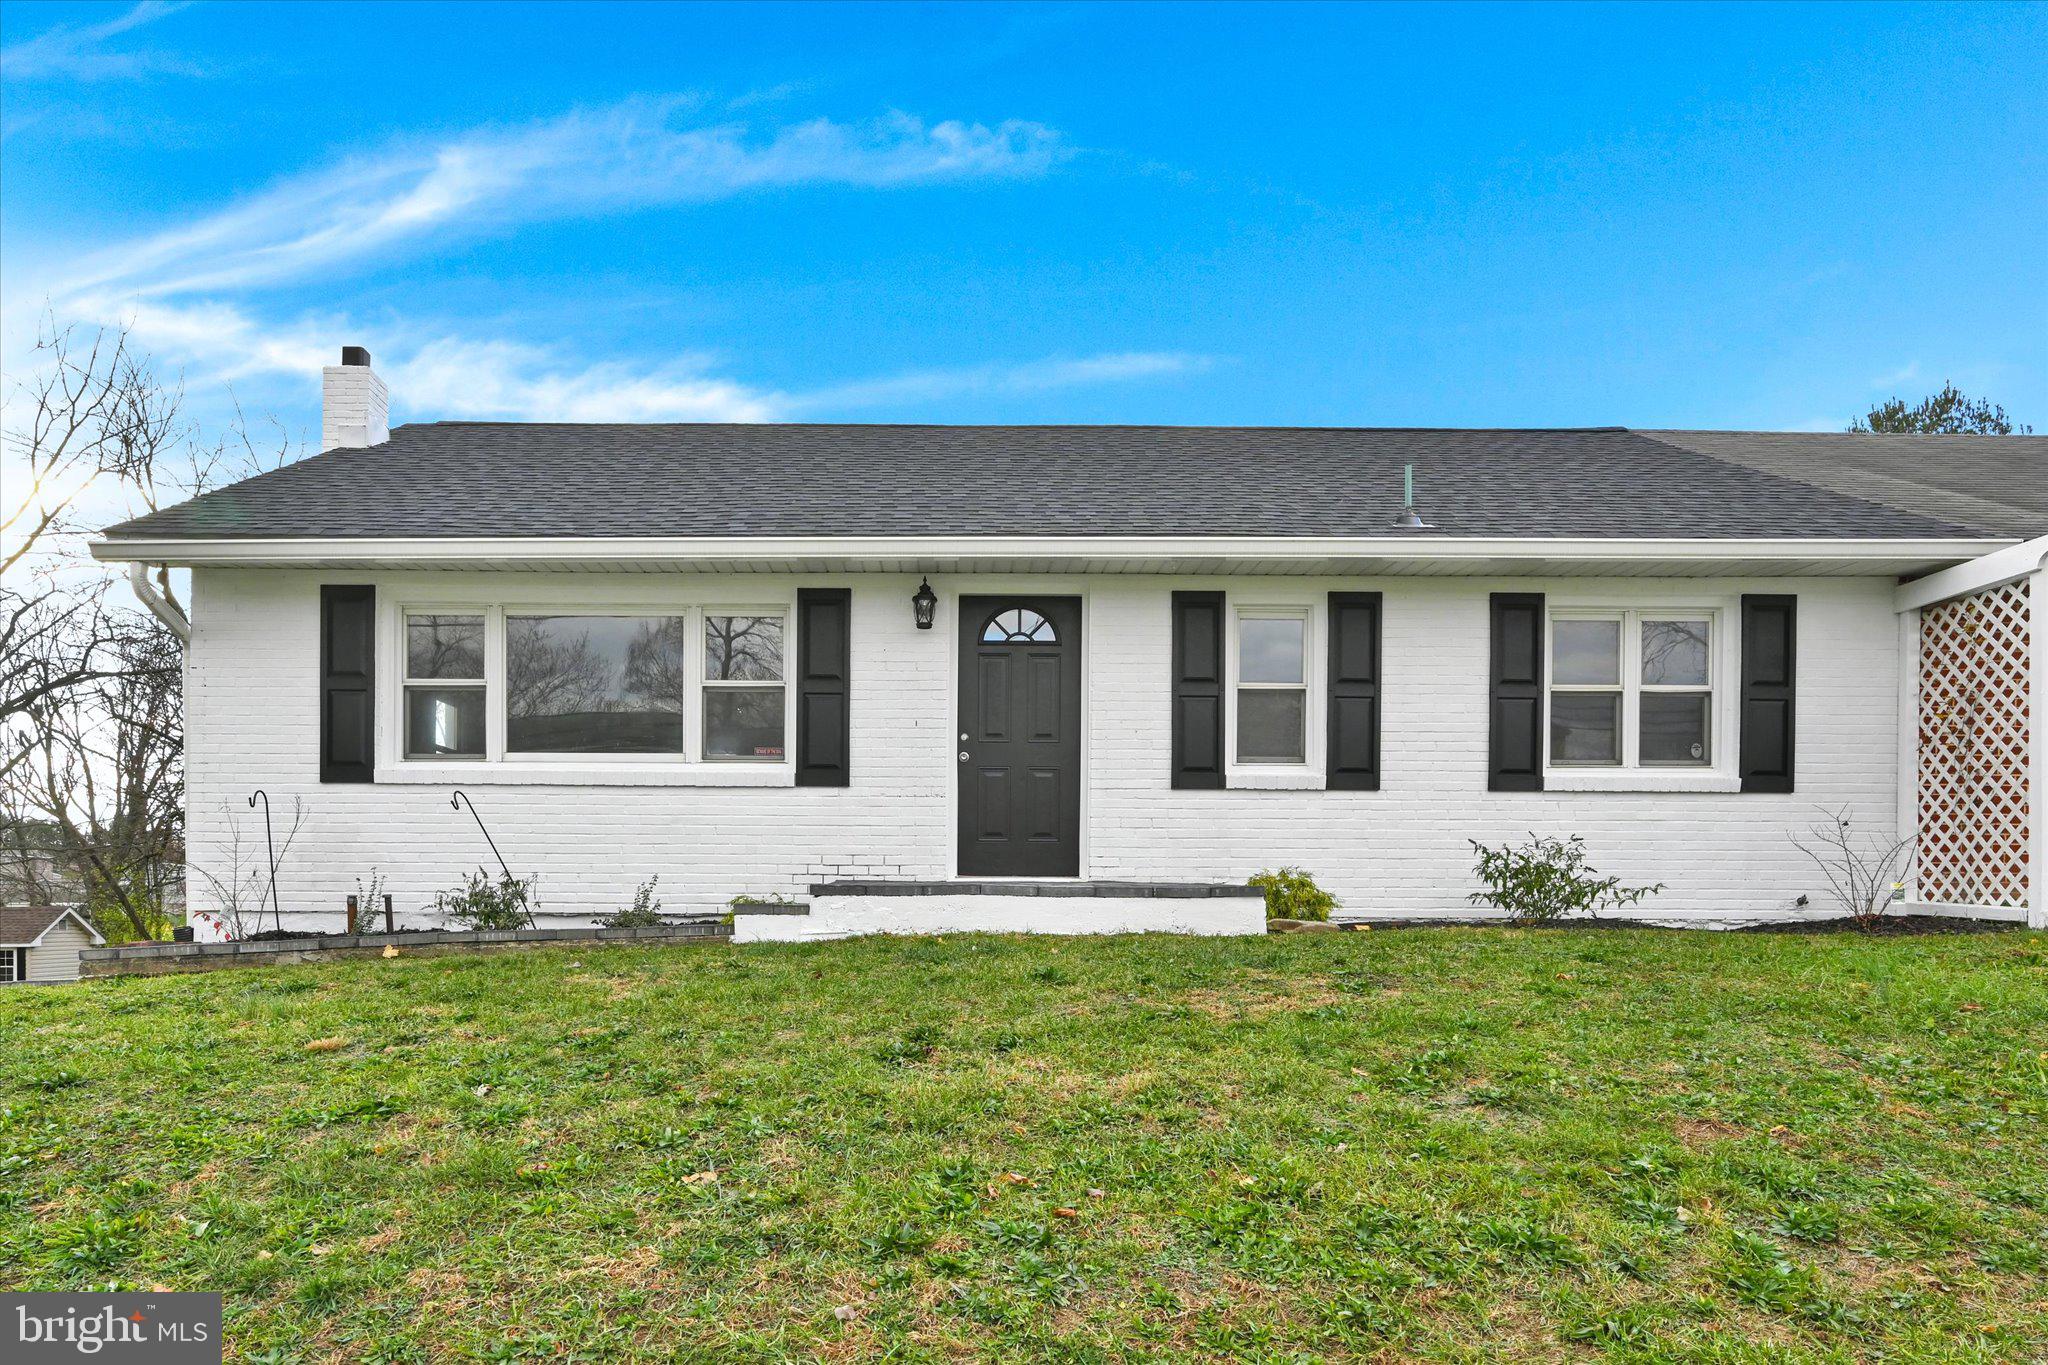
637 154
927 386
82 52
458 378
505 380
1909 371
454 376
192 294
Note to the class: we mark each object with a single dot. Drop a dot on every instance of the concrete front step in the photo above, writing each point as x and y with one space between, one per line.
843 909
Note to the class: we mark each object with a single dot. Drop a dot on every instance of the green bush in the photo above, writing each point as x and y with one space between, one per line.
1548 879
506 903
643 913
1293 894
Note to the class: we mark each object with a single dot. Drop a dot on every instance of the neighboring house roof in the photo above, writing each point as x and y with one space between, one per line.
492 479
23 926
1996 485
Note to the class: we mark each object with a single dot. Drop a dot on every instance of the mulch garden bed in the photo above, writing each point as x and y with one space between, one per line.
1891 926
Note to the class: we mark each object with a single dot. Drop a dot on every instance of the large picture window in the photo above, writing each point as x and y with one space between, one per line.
594 684
1272 686
1632 689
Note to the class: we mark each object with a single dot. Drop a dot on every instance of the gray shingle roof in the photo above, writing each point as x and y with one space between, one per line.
22 924
466 479
1998 487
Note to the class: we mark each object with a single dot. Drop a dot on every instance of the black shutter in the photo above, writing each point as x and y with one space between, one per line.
1354 757
1198 689
823 655
1770 630
348 712
1515 731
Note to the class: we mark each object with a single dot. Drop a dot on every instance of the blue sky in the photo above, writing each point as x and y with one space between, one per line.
1737 216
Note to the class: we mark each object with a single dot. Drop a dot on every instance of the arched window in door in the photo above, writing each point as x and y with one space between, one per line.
1018 626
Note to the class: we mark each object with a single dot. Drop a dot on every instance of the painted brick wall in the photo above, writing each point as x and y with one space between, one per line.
1402 850
252 706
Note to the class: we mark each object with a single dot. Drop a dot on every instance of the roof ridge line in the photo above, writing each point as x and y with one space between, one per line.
998 426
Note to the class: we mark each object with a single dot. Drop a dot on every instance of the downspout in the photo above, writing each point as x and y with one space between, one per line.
159 605
180 625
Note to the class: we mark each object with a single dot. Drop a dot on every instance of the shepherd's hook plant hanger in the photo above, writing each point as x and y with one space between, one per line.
270 849
461 799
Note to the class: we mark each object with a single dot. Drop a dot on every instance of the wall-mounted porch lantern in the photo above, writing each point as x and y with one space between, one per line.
924 602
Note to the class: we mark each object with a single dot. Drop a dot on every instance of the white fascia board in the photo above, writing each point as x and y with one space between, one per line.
1994 570
464 550
95 935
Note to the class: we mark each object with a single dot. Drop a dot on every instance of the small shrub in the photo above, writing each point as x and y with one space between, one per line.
370 904
1866 880
1547 879
506 903
1293 894
643 913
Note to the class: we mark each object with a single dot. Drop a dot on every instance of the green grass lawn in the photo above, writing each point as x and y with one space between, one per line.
1459 1144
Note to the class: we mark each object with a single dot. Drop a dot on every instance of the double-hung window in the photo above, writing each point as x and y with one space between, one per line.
743 687
1272 685
444 685
13 965
1632 689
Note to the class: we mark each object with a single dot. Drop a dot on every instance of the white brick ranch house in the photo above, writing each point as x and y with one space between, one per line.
1069 677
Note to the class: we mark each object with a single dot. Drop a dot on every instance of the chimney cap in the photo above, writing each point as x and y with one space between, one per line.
355 355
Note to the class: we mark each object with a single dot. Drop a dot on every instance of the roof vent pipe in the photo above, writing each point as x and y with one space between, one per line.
1410 519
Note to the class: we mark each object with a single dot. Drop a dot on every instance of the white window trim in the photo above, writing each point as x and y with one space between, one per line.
1630 775
498 767
17 966
1308 774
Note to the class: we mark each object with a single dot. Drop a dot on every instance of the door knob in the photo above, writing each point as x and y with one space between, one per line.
963 755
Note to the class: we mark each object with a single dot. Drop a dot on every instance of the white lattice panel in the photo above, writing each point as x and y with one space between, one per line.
1974 725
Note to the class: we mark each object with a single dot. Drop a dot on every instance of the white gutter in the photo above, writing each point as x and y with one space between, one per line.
713 549
164 609
1993 570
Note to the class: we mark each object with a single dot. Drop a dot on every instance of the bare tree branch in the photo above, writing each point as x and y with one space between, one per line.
91 721
101 770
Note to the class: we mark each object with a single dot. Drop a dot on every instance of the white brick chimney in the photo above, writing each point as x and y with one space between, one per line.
355 407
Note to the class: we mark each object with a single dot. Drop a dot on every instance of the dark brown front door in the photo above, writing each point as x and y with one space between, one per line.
1020 755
